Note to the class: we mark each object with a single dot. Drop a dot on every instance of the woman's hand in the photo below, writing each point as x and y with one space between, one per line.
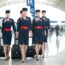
17 34
30 34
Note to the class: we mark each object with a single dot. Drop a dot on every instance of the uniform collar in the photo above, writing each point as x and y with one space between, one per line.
43 16
37 16
23 18
7 19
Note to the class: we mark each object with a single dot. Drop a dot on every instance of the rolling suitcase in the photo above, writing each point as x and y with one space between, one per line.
1 49
30 51
15 51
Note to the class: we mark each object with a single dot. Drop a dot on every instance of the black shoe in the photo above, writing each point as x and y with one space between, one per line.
6 58
43 57
37 58
23 61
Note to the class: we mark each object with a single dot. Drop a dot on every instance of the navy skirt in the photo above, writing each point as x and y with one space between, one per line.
37 39
7 36
23 38
45 39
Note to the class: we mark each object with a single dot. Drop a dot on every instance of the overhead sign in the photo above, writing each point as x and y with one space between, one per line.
31 3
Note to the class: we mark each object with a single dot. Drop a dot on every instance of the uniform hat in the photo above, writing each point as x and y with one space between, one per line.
24 9
7 11
43 11
37 11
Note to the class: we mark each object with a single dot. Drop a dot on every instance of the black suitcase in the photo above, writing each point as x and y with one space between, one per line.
1 49
30 51
15 51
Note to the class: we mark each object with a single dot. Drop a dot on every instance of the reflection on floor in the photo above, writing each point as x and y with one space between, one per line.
54 55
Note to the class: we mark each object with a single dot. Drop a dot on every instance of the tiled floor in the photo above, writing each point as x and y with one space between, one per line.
55 54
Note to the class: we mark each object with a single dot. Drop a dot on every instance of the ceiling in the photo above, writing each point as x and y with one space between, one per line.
60 4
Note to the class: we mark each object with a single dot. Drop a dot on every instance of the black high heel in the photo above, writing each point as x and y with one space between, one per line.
37 58
6 58
43 56
23 61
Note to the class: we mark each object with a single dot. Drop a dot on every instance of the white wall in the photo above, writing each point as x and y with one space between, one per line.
52 13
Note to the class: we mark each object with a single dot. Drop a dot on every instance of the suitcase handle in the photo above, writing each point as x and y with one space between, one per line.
15 40
0 40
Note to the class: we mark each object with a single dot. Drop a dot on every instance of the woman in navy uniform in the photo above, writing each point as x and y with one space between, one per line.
38 32
23 30
6 33
47 27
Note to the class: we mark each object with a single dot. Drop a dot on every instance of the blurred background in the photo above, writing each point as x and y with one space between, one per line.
55 54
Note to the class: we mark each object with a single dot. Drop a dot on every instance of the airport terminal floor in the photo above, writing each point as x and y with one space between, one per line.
54 55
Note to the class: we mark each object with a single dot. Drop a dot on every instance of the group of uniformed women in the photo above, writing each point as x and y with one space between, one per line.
37 30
